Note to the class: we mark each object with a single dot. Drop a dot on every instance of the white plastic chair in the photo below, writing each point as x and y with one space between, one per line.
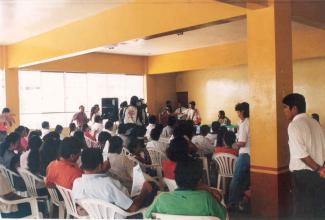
32 202
125 152
182 217
226 166
156 156
171 184
31 181
206 168
56 201
156 167
70 204
98 209
10 175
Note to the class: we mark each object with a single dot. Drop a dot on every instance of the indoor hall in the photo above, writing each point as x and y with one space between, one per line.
58 55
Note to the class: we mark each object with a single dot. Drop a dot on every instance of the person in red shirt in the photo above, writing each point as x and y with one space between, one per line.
65 170
229 138
86 131
80 117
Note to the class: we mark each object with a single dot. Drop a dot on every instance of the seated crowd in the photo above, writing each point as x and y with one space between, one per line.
105 170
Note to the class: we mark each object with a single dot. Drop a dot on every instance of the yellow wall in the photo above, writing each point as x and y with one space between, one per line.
221 88
2 57
215 89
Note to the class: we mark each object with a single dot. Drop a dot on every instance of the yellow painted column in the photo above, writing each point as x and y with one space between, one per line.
269 47
12 93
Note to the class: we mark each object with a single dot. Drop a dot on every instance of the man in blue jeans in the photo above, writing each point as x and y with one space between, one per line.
241 178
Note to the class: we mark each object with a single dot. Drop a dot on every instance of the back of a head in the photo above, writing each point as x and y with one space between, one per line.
178 149
103 137
91 158
229 138
72 126
115 145
221 133
222 113
215 126
5 110
20 129
243 107
98 119
155 134
45 125
295 99
171 120
58 129
121 129
152 119
124 104
85 127
188 173
12 138
109 125
134 100
34 133
34 143
33 159
69 146
204 129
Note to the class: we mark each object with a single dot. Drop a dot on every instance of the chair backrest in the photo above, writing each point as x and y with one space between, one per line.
125 152
10 175
70 205
171 184
183 217
98 209
226 163
156 156
54 196
30 180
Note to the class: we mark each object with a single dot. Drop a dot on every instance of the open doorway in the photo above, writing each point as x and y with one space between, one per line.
182 97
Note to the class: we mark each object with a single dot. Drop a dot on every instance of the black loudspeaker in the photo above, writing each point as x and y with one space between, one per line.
110 108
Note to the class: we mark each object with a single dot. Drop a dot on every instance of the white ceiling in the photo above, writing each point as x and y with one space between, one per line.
204 37
22 19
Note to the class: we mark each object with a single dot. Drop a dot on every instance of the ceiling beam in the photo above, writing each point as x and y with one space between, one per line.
133 20
309 12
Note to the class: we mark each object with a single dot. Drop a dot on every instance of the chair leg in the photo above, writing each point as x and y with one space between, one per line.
219 181
61 212
51 210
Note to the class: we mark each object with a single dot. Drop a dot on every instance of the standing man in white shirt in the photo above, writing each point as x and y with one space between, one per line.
241 179
307 156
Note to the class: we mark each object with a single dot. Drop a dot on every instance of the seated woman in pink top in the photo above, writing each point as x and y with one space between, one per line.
177 151
229 138
86 131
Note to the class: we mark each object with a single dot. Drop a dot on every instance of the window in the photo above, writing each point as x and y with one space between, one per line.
55 96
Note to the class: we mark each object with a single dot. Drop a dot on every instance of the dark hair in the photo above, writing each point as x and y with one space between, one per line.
33 159
103 137
229 138
124 104
72 127
204 130
135 143
134 100
178 150
45 124
221 133
5 110
79 135
12 138
295 99
115 145
26 130
69 146
121 129
222 113
244 108
91 158
171 120
85 126
34 133
152 119
215 126
155 134
192 103
108 125
98 119
20 130
58 129
49 150
188 173
315 116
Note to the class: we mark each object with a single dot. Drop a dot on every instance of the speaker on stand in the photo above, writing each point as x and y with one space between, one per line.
110 109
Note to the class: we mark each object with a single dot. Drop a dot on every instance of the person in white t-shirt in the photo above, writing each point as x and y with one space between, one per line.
97 127
212 136
203 143
45 128
193 114
152 124
240 181
154 143
167 131
180 111
307 156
